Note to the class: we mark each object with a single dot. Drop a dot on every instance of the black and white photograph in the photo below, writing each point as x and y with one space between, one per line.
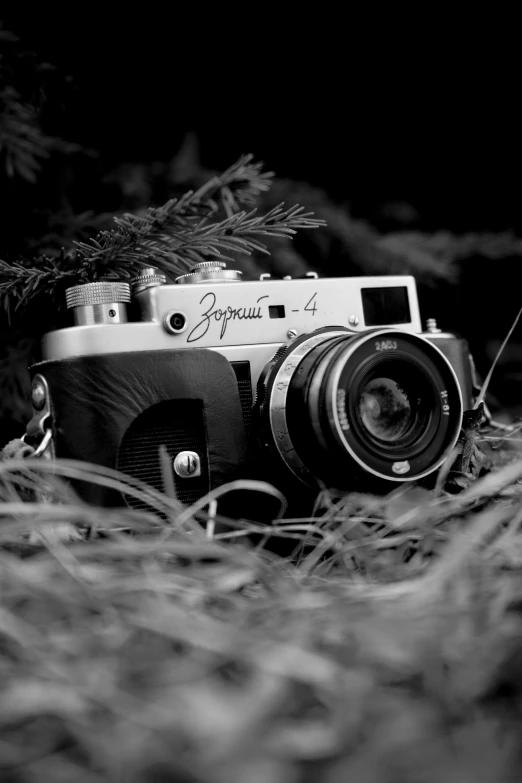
260 397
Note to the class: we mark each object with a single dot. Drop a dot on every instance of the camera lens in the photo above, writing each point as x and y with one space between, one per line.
383 402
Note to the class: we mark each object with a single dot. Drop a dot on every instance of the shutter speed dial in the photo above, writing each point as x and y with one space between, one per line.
210 272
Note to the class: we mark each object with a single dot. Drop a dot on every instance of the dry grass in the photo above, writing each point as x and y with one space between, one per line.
388 651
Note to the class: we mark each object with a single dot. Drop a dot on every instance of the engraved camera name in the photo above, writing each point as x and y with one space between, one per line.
225 314
222 316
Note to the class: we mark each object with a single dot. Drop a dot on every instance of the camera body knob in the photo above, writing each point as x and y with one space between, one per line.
103 302
210 272
150 277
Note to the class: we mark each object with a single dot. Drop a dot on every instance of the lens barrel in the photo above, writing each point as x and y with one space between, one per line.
382 402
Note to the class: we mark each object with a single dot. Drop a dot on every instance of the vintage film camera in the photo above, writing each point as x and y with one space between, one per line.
303 382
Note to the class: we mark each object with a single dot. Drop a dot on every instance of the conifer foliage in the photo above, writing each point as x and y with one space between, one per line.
172 237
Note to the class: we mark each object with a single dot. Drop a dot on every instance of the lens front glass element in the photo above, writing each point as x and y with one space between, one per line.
385 410
392 403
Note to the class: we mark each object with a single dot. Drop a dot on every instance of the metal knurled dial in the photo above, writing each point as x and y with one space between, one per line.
210 272
148 278
105 292
209 265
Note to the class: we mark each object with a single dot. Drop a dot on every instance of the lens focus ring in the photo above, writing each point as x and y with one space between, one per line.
104 292
285 366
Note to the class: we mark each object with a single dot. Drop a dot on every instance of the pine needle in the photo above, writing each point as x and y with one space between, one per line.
172 237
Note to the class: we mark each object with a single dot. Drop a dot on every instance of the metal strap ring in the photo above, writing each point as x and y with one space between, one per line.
43 443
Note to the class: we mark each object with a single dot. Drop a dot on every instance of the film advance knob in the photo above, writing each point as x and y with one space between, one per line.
103 302
210 272
209 265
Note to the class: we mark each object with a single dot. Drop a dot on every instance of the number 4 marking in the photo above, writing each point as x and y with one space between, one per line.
311 302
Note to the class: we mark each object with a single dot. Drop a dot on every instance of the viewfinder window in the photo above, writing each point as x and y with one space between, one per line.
276 311
385 306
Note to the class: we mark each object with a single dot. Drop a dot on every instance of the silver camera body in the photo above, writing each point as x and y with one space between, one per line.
213 308
345 381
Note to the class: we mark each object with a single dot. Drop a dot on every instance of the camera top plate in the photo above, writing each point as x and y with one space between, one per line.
242 314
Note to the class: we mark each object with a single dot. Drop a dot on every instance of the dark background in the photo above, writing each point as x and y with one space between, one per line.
410 127
373 118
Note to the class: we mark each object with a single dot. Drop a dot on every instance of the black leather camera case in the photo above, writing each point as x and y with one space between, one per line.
117 409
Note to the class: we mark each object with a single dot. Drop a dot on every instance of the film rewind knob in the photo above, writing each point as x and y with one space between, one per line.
103 302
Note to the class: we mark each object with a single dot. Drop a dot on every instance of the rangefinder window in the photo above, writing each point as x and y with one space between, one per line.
385 306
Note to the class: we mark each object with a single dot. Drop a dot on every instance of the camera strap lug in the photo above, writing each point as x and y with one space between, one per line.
44 448
37 440
39 428
20 448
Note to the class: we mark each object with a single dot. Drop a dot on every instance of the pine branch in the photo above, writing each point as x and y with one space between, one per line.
172 237
174 246
241 184
351 245
21 282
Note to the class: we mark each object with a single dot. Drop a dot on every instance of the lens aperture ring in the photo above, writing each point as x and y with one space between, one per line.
276 400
